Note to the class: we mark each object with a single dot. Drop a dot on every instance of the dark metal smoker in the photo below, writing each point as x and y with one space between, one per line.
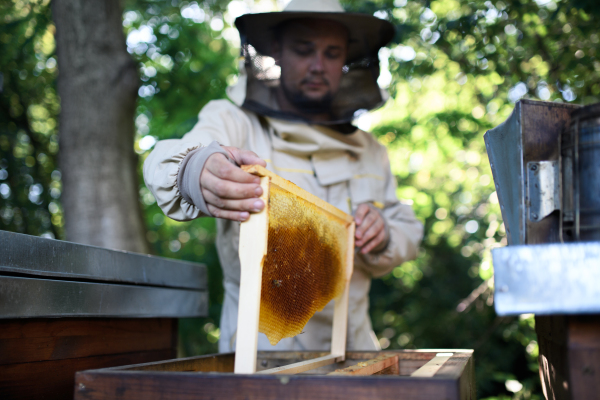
545 159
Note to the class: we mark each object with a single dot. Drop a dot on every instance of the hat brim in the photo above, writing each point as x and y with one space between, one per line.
367 33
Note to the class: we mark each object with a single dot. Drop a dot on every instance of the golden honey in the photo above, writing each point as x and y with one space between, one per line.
304 266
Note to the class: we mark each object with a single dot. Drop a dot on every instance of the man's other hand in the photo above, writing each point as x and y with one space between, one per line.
228 191
371 234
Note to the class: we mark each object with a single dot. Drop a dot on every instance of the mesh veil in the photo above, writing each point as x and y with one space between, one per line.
358 90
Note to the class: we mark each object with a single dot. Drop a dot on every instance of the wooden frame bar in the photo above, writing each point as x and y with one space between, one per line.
432 366
340 311
370 367
303 366
252 251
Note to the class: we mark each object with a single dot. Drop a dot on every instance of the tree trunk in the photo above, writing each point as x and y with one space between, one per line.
97 85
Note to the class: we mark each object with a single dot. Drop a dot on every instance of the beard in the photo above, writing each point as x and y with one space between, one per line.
305 104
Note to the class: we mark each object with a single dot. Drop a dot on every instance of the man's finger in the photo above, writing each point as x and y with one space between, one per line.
252 205
368 220
372 232
226 189
226 214
361 211
219 166
245 157
374 243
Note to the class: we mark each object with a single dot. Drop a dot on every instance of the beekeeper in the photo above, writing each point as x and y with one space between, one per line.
305 73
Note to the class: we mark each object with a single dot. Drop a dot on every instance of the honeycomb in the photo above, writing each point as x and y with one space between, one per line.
304 266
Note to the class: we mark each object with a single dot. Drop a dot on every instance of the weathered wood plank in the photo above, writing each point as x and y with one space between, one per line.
209 363
55 339
187 386
303 366
584 368
432 366
369 367
584 356
56 379
584 331
391 370
552 340
340 311
467 389
252 252
454 366
409 360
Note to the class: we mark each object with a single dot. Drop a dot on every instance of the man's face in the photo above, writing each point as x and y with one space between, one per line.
311 55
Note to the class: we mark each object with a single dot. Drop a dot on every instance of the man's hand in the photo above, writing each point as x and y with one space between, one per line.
229 192
371 235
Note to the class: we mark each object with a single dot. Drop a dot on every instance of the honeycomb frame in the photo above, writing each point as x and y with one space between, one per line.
253 246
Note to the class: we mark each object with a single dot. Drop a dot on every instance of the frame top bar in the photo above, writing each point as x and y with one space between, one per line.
293 188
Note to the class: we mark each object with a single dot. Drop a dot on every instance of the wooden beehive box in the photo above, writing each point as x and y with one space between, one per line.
67 307
415 374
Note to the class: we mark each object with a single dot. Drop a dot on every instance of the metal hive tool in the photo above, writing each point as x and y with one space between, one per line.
296 256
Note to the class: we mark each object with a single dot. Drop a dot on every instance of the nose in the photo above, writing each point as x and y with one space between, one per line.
316 64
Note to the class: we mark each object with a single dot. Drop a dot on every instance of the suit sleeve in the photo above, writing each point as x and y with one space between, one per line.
172 170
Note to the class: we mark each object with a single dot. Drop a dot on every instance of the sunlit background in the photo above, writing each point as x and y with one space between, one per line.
455 69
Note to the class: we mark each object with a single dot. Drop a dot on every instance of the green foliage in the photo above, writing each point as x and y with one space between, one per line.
455 70
29 181
183 64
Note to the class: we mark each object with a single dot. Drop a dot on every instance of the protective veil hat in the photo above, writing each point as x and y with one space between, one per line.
367 33
260 76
